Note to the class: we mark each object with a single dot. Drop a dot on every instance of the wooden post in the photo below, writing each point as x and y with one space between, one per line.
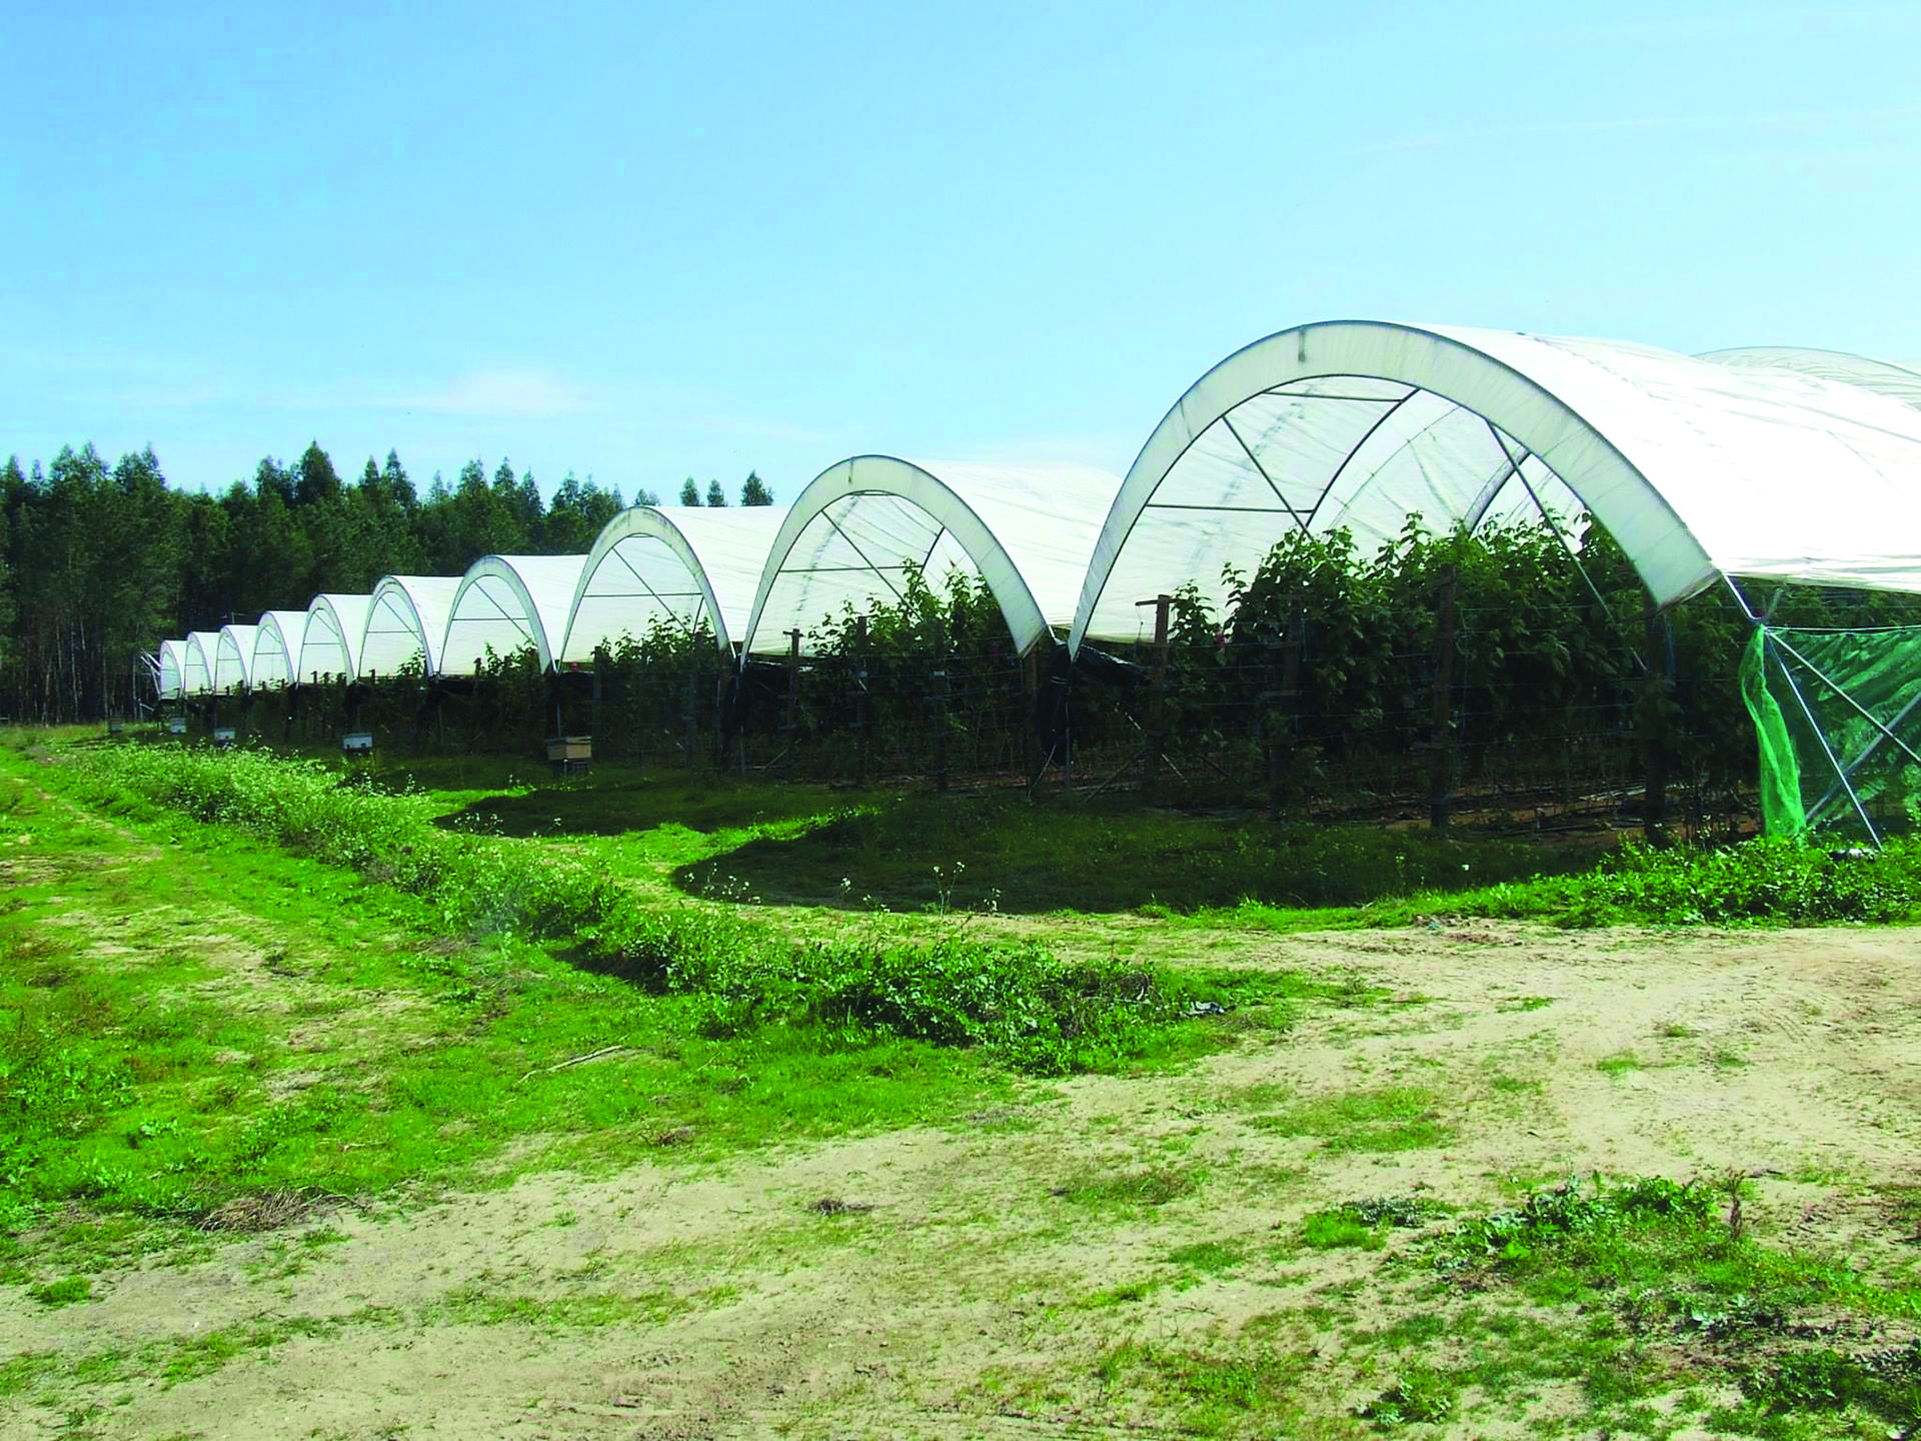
594 715
940 704
1654 805
725 686
1031 704
863 713
1282 720
1156 696
693 698
1440 756
731 693
792 723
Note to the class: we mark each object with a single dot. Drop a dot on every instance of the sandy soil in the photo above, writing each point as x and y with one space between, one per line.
973 1298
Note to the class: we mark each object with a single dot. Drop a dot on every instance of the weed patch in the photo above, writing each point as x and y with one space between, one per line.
1152 1186
63 1292
1331 1230
1676 1267
1208 1394
1392 1118
1208 1258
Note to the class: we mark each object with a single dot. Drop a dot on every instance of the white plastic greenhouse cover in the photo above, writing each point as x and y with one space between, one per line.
509 601
203 647
330 644
170 669
406 621
688 564
1027 530
276 647
1697 469
1882 376
233 657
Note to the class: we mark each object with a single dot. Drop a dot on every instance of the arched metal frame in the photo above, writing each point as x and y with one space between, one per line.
171 669
714 561
532 593
233 657
1697 469
202 648
1038 542
406 619
334 626
276 647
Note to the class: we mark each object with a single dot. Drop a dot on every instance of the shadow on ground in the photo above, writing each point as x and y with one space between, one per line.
990 854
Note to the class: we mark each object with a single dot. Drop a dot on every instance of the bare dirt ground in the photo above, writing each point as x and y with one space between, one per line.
961 1283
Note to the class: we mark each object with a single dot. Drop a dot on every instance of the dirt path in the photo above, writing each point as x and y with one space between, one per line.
971 1283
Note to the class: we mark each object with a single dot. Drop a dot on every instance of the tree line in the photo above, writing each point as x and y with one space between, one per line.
99 563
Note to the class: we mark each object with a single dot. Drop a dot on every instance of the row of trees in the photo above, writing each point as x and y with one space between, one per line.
99 562
753 491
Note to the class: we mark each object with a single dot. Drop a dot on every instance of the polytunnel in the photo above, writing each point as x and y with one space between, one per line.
172 666
1900 382
233 658
507 602
406 621
687 567
330 643
1027 530
1699 469
203 647
276 647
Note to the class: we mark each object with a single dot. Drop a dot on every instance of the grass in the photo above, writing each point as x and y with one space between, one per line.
898 851
1208 1258
1129 1190
293 1030
1678 1269
1388 1118
63 1292
1098 858
1043 1015
1206 1393
228 1007
1331 1230
911 852
481 1304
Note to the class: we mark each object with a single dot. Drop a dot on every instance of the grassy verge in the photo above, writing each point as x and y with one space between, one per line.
251 989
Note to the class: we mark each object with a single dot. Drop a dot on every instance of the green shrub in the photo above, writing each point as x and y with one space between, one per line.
1756 881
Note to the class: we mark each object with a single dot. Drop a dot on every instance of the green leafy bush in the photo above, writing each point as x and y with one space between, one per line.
1754 881
1571 1210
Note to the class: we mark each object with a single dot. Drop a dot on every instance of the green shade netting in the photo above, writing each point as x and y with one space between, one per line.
1781 813
1838 717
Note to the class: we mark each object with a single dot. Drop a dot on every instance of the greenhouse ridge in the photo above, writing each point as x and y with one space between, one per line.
1773 464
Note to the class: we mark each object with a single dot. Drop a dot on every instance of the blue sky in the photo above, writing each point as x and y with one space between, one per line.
645 241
